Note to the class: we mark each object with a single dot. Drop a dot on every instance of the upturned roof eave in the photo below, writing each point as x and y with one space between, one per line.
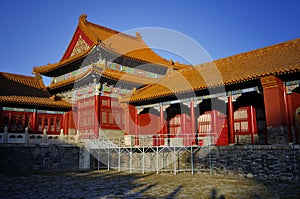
35 102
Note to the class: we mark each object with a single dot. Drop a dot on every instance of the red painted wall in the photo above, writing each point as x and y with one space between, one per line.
72 121
148 124
274 101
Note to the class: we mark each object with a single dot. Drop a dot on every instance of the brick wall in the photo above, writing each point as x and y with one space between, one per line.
274 162
24 158
261 161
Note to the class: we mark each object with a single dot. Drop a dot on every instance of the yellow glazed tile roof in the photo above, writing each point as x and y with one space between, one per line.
26 101
273 60
114 41
26 91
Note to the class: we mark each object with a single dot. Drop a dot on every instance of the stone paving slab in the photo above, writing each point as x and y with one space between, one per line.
113 184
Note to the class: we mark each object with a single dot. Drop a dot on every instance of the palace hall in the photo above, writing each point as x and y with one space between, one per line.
113 85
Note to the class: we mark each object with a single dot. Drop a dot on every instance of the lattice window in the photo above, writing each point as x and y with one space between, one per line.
46 124
28 121
17 121
57 124
123 118
110 118
6 119
240 114
40 123
118 118
105 102
52 124
103 117
114 103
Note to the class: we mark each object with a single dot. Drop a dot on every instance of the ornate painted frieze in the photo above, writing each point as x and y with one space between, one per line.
80 46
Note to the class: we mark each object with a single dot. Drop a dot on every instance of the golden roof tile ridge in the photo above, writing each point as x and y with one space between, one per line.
32 81
39 101
259 51
276 59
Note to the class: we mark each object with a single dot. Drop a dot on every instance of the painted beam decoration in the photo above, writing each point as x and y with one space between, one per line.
101 64
114 92
291 85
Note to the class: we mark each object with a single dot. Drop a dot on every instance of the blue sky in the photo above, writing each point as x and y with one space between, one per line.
35 32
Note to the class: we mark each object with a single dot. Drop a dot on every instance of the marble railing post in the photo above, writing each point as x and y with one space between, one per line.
27 135
5 138
44 136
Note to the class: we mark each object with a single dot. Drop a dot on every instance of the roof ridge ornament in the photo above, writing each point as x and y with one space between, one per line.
171 62
138 36
55 97
170 69
38 76
83 18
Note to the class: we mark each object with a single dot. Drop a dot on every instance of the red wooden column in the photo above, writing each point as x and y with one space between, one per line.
97 114
1 119
214 130
162 123
252 122
193 126
34 121
286 106
231 120
77 119
293 102
66 123
126 118
136 132
184 134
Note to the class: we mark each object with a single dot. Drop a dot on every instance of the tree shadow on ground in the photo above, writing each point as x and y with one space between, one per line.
174 193
114 184
75 184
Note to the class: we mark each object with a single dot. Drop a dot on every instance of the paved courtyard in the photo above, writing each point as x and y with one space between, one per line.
113 184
